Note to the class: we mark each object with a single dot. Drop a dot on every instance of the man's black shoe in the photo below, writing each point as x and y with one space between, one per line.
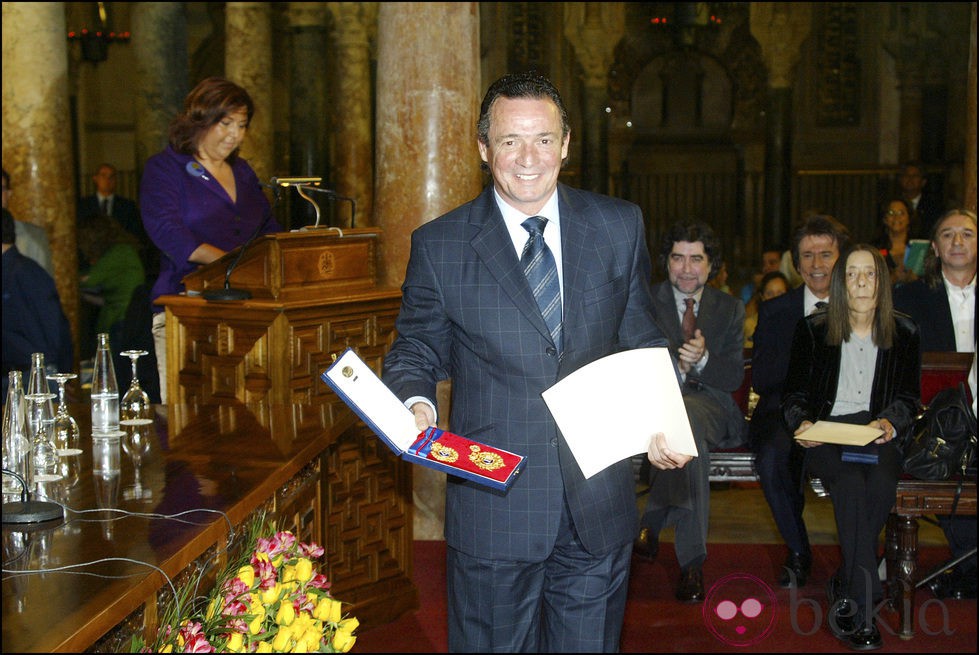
646 545
842 619
866 638
691 586
795 571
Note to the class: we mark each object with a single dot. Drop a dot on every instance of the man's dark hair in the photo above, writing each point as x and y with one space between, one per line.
692 231
820 225
519 85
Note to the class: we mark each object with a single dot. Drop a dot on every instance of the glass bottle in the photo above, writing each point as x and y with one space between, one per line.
105 389
16 444
38 384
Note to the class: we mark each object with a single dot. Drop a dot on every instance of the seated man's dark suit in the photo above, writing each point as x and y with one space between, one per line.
682 496
778 459
123 210
33 320
929 308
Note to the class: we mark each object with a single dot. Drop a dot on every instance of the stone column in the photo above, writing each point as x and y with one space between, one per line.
428 99
308 102
594 29
160 47
37 140
780 28
427 162
248 62
353 112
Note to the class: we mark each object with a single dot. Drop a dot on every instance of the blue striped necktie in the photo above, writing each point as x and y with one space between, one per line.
541 271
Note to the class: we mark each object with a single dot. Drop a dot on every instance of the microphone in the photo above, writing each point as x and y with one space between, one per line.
227 292
334 194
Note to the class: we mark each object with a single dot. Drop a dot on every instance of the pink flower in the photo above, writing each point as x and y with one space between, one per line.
311 550
198 643
319 581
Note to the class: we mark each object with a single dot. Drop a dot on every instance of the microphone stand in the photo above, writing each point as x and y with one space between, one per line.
331 194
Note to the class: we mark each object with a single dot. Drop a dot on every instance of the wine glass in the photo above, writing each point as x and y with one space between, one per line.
44 454
136 444
135 404
67 436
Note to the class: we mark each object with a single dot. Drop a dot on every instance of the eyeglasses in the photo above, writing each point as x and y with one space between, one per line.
896 212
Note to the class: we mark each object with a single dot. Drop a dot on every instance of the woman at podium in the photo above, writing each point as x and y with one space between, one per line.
198 198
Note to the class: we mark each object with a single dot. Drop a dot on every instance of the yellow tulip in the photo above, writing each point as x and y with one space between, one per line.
335 611
263 647
256 624
343 641
349 624
311 640
212 608
322 609
286 614
282 639
167 649
288 573
247 575
304 570
270 595
235 642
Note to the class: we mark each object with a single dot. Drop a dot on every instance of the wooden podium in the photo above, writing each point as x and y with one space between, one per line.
314 294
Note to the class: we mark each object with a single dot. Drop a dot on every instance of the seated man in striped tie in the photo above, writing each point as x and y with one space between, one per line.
705 327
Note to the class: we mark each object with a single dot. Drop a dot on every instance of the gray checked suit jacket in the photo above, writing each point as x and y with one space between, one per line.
468 314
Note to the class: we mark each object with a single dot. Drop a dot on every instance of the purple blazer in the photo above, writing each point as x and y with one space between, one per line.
183 206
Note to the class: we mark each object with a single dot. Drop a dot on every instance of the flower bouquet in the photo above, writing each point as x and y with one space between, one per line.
270 600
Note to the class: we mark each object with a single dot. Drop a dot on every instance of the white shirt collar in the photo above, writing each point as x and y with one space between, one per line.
809 301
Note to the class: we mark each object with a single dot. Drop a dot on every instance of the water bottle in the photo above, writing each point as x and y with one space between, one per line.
38 384
16 443
105 389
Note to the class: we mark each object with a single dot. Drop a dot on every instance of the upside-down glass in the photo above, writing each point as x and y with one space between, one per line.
67 436
135 404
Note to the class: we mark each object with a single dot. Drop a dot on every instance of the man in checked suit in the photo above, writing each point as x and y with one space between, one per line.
711 363
543 567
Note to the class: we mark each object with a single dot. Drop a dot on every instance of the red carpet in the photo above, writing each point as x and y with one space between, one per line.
655 622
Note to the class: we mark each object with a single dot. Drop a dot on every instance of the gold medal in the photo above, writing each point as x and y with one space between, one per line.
444 453
485 459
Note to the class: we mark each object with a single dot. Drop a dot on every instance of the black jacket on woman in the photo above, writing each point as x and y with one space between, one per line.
814 371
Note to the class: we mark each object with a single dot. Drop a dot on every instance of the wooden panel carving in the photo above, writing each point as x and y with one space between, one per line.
369 530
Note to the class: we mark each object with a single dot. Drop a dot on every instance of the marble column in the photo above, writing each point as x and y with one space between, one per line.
780 28
160 47
427 162
37 138
248 62
594 29
428 96
353 149
308 102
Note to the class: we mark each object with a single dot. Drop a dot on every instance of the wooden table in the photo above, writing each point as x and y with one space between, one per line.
316 469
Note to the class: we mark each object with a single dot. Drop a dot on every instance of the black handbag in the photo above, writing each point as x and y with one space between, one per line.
942 441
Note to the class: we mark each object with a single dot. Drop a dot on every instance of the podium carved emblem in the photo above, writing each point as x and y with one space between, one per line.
327 263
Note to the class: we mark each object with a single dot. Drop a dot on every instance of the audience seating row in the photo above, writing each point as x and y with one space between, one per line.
915 498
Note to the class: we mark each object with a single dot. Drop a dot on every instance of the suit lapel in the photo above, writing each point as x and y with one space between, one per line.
577 248
666 311
492 244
